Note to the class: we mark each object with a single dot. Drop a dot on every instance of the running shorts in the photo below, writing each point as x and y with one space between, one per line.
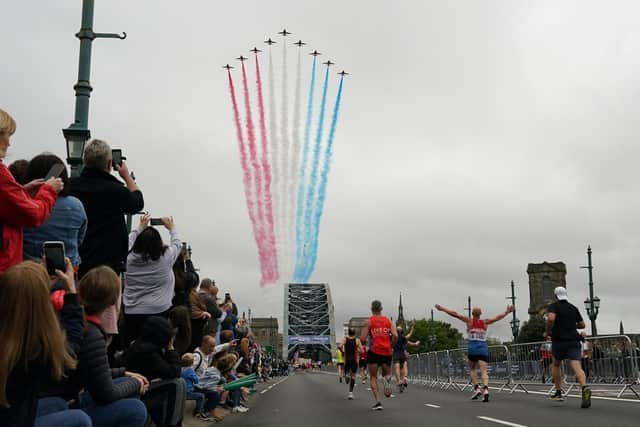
363 363
340 363
351 368
563 350
378 359
476 357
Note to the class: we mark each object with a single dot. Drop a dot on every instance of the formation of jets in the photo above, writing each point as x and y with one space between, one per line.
299 43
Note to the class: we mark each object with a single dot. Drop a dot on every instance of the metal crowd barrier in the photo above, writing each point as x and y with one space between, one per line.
609 360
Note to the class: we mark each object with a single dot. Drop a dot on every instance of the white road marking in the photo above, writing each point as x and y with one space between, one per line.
273 385
495 420
431 405
544 393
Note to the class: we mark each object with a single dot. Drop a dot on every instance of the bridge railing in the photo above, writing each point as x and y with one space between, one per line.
613 360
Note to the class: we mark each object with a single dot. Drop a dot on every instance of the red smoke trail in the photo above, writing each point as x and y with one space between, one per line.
247 180
266 169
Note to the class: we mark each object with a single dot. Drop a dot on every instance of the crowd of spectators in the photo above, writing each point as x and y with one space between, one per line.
128 332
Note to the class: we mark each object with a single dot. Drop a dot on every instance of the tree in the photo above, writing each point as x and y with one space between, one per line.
532 330
447 337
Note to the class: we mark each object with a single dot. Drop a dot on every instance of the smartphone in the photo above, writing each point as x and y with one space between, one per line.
116 158
227 297
55 171
54 255
156 221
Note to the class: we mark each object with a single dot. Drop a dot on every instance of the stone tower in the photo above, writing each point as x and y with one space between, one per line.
543 278
400 321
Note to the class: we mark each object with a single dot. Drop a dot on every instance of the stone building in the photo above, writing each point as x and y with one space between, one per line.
543 279
265 331
357 323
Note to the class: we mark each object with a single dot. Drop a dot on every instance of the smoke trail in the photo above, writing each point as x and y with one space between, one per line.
275 149
322 188
284 155
302 180
266 170
247 179
313 176
295 161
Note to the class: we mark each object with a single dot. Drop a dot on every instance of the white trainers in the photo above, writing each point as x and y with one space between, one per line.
239 410
350 397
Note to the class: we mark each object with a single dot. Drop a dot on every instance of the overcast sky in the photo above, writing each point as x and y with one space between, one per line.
474 138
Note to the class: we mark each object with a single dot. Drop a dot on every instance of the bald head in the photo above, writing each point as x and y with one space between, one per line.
208 344
476 312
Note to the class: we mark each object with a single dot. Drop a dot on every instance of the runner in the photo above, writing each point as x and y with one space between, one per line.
363 362
383 337
563 318
478 352
400 363
340 362
351 348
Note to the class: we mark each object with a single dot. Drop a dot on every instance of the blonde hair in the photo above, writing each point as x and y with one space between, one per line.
7 124
226 362
97 154
29 329
99 289
187 359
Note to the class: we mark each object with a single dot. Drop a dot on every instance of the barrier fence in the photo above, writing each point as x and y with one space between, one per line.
612 360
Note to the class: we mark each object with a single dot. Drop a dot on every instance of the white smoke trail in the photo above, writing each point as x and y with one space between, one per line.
294 164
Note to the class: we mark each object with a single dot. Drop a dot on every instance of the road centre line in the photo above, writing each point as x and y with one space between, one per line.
431 406
273 385
495 420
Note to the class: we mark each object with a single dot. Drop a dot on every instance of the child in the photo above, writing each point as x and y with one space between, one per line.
189 376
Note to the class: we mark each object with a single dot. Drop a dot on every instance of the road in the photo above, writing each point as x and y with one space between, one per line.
318 400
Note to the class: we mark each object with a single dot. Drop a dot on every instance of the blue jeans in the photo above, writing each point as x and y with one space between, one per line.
121 413
199 398
54 412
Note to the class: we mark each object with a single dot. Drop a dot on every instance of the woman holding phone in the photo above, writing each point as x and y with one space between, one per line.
68 220
149 281
18 209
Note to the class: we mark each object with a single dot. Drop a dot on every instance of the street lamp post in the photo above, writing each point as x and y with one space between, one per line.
515 322
433 338
468 306
77 134
591 304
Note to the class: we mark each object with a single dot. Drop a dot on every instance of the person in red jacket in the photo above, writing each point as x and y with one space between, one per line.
17 208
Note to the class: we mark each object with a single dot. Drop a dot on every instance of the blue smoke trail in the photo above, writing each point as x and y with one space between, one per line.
313 177
302 178
322 189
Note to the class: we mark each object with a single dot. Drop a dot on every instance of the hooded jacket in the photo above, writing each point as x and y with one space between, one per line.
148 355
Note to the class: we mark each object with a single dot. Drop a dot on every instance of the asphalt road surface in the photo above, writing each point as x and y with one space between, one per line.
319 400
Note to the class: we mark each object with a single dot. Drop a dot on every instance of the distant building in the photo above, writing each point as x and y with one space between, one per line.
357 323
265 331
400 321
543 279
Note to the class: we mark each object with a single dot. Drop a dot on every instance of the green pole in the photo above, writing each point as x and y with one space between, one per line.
78 131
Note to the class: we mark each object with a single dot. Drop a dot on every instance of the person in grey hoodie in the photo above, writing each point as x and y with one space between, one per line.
149 280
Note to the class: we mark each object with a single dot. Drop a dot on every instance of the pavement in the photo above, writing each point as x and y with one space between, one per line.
319 400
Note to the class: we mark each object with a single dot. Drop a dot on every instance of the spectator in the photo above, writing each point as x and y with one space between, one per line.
110 396
19 169
67 222
186 277
199 316
17 208
225 365
105 201
203 355
208 294
154 356
34 350
149 279
180 319
206 400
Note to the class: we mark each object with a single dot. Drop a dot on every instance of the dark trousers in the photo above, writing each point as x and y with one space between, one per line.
133 324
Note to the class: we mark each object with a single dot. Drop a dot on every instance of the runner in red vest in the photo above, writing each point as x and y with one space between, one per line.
383 336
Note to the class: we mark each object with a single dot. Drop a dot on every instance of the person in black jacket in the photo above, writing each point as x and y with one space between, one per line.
34 351
111 396
153 355
105 201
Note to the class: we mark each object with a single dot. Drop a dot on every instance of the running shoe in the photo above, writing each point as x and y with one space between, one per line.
340 378
485 395
203 417
586 397
387 388
476 393
377 407
350 396
557 396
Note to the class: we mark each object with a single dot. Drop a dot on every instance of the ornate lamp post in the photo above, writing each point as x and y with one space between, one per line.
77 134
515 322
591 304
